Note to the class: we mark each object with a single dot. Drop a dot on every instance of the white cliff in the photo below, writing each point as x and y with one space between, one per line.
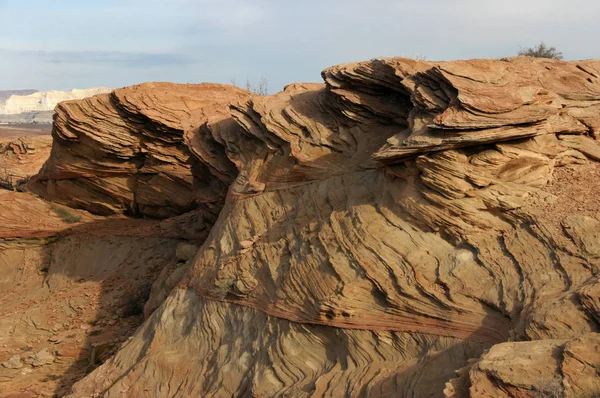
45 100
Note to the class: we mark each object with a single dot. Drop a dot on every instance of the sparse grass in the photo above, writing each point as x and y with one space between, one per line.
66 214
549 389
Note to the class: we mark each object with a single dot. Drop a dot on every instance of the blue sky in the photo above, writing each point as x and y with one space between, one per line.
64 44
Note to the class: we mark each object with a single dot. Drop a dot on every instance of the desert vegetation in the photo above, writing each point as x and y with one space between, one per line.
65 214
259 88
541 51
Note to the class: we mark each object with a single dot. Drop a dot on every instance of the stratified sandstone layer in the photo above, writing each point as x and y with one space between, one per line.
21 158
396 231
123 152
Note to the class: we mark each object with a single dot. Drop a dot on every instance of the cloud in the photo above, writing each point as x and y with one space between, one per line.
115 58
222 15
226 14
74 43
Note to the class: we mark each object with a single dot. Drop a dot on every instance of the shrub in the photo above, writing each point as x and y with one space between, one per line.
66 214
541 51
261 88
549 389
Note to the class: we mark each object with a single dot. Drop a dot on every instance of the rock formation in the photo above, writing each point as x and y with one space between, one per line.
22 157
123 152
408 228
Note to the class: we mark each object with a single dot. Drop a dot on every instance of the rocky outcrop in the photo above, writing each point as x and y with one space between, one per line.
123 152
542 368
21 158
405 229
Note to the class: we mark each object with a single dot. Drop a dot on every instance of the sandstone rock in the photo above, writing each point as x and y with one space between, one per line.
538 368
375 233
124 151
185 251
41 358
13 363
21 158
167 280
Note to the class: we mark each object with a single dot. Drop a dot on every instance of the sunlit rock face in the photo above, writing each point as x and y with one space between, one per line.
407 228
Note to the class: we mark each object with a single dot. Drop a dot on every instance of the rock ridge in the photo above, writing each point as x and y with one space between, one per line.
369 236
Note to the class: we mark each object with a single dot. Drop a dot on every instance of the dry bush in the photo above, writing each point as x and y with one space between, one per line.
541 51
549 389
260 88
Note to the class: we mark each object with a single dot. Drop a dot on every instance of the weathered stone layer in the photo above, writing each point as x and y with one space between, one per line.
403 208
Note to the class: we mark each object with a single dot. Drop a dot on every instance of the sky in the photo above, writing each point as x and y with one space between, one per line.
65 44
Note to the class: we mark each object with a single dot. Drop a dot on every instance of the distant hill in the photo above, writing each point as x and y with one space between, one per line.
44 100
31 106
6 94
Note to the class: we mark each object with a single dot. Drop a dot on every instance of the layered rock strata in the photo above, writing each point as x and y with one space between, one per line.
379 232
123 152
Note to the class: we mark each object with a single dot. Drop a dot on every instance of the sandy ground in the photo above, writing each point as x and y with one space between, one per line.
8 131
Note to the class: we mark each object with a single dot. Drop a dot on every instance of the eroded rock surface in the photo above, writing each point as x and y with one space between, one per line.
405 229
123 152
23 150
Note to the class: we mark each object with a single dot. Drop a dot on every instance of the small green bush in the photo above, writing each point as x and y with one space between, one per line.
65 214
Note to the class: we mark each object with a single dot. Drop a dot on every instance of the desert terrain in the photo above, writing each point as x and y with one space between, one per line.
403 229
